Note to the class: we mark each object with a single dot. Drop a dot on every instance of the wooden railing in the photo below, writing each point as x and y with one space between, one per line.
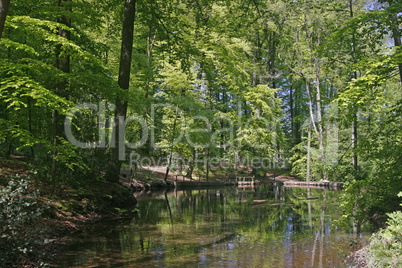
241 180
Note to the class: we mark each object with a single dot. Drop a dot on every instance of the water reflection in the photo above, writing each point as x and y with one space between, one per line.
270 226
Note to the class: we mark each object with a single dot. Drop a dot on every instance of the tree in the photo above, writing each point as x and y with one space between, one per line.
124 83
4 5
309 34
380 145
63 64
29 79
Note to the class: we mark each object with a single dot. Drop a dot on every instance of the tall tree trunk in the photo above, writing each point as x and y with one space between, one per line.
397 40
4 5
207 167
319 114
63 64
191 167
317 67
296 122
273 42
124 82
354 144
255 83
354 123
171 145
150 45
271 55
317 127
292 128
310 222
30 126
396 33
311 112
255 68
308 150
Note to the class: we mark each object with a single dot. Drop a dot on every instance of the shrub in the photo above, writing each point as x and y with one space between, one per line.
385 249
19 207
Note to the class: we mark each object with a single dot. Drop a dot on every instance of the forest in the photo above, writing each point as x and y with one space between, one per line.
310 88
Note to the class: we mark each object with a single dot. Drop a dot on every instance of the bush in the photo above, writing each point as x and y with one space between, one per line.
20 238
385 249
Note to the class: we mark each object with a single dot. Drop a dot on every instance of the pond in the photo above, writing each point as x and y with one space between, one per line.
268 226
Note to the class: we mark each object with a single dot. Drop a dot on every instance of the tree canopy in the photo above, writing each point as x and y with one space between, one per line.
315 84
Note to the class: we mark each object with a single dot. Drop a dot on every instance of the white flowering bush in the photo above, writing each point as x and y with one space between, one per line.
20 237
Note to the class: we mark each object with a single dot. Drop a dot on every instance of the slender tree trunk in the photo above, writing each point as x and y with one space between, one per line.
356 224
4 6
255 69
295 113
308 150
291 112
30 126
354 144
207 167
255 78
63 64
319 114
318 94
311 112
272 60
54 154
124 82
150 44
171 145
317 66
270 57
354 123
191 167
314 59
397 40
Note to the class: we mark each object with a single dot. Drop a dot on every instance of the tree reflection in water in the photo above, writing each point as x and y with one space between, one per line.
269 226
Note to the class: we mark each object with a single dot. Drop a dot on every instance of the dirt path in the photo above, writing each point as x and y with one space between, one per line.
281 178
159 172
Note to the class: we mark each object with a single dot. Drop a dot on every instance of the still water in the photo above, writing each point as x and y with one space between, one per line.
269 226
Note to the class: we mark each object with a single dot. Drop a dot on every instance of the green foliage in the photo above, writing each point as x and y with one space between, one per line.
29 80
299 160
20 236
366 91
386 246
372 191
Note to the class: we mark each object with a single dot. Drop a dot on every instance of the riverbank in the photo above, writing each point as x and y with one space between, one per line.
35 220
35 216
